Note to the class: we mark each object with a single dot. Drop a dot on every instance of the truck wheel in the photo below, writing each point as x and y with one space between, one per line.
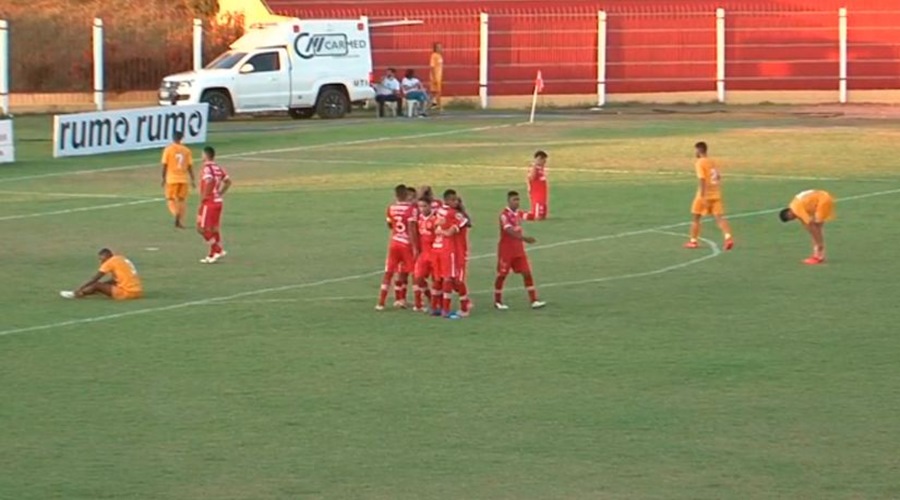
301 113
220 106
332 103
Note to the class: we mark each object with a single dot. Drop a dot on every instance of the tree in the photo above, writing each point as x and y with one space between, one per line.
204 8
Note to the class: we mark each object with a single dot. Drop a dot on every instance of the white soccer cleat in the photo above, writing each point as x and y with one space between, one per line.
67 294
379 308
418 309
537 304
206 260
501 307
400 304
215 258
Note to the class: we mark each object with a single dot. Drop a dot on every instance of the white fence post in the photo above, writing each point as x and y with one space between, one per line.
601 58
483 61
720 55
198 44
842 41
98 63
4 68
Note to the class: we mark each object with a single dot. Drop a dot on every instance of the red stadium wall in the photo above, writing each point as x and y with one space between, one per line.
652 45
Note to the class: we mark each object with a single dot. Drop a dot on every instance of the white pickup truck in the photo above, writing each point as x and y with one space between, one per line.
303 67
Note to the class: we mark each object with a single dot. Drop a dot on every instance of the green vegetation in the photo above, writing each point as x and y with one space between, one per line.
655 372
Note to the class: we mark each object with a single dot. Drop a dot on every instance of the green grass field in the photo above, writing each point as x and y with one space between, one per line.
655 372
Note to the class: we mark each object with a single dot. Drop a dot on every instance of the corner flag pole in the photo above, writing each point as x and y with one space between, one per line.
538 88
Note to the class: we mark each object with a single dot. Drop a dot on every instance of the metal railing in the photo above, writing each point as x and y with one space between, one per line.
579 51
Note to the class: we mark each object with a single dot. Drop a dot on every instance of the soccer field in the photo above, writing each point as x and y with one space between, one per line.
654 372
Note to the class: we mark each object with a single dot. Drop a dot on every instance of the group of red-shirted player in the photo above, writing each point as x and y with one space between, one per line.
429 240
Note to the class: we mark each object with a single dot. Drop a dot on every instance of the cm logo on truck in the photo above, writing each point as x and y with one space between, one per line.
308 45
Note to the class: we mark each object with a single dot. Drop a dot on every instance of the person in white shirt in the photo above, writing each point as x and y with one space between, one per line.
413 89
388 91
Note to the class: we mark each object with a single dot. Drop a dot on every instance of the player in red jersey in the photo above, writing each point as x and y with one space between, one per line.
427 193
401 217
511 256
462 241
538 190
449 265
425 263
214 183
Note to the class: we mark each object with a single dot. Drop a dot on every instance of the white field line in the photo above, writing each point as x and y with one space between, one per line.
271 151
604 171
715 251
297 286
80 209
74 195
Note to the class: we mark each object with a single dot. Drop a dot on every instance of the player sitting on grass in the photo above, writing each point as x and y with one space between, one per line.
125 283
511 254
813 208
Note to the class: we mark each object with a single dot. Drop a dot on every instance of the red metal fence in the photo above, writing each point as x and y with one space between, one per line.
652 45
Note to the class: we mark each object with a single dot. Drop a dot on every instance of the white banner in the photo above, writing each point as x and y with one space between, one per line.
127 129
7 148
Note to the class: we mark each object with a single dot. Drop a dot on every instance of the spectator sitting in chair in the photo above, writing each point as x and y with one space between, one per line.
388 91
414 91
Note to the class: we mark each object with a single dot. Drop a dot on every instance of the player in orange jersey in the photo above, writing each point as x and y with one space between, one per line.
402 217
425 263
437 75
538 188
177 167
708 200
214 183
511 256
124 282
813 208
449 265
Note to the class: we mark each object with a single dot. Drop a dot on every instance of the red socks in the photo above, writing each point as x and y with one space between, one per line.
498 289
464 302
385 286
529 286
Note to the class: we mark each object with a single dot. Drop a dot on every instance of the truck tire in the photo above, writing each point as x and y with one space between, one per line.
301 113
332 103
220 105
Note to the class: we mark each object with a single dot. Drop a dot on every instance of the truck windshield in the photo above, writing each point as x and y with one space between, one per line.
226 60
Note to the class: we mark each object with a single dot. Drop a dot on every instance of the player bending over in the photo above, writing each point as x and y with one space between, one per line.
214 183
177 166
813 208
124 282
538 189
402 217
708 200
449 265
511 256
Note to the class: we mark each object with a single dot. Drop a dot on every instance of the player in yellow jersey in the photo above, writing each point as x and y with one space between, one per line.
708 200
813 208
125 284
177 168
437 75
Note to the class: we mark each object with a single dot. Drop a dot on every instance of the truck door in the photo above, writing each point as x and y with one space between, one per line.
264 82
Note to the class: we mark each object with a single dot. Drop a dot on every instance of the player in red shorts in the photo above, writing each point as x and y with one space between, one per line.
426 260
538 190
401 217
214 183
462 241
449 265
511 256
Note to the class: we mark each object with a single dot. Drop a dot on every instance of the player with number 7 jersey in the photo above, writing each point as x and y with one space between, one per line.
401 217
177 168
